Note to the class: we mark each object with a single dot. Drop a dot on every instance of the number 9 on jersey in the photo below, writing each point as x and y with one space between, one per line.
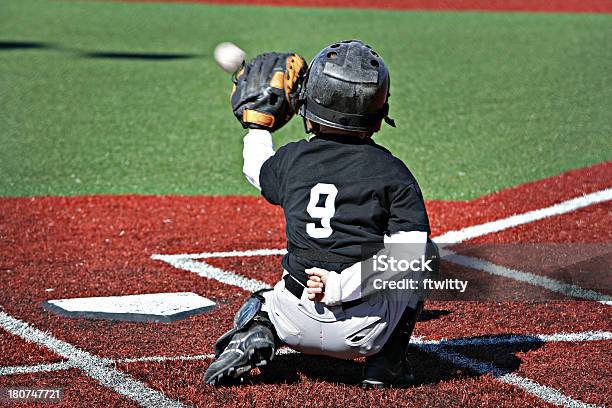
324 213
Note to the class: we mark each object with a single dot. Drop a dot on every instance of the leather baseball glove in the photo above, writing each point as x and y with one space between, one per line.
266 89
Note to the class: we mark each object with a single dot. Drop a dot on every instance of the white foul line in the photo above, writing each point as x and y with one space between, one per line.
37 368
505 339
211 272
161 359
228 254
545 393
91 365
454 237
554 285
494 340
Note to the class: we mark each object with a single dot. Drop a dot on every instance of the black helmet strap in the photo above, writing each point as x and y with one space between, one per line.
386 118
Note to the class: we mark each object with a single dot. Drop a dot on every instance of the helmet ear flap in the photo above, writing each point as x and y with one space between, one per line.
301 99
301 102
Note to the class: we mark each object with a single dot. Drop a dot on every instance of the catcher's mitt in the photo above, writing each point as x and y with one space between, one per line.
265 91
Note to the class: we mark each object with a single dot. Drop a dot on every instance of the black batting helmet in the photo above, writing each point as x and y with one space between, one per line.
347 87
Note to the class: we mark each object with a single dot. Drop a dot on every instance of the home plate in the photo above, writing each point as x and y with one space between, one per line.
153 307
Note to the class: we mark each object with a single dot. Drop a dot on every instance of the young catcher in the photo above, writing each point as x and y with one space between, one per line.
340 191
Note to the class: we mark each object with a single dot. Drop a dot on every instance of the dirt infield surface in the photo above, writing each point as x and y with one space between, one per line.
552 6
465 353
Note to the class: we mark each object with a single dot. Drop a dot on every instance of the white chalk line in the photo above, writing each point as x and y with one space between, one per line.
502 339
36 368
89 364
553 285
547 394
543 392
227 254
212 272
457 236
454 237
440 348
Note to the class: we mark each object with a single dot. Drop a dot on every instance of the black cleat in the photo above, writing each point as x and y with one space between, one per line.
389 367
379 372
246 350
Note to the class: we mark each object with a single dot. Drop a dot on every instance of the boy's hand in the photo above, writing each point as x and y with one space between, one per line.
266 89
316 284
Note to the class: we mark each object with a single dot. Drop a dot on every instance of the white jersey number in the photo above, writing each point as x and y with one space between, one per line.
324 213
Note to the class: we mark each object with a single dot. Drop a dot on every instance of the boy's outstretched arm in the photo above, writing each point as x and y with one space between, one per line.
258 148
264 98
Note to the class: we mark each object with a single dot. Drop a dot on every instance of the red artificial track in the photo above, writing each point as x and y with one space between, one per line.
101 246
28 353
553 6
584 367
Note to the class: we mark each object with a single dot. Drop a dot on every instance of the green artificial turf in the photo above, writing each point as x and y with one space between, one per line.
482 101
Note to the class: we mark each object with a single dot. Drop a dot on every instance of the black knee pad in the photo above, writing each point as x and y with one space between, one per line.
249 313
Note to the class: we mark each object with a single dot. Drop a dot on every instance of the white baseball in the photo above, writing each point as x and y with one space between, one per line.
229 56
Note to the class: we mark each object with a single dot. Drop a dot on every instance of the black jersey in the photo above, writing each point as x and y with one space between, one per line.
339 193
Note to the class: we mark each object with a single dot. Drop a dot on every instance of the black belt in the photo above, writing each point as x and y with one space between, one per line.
296 288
